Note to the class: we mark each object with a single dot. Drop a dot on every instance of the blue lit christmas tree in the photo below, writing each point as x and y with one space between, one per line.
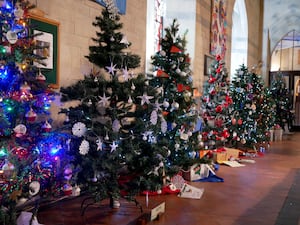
29 150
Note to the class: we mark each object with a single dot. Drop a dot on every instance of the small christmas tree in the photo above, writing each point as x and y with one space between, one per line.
283 102
172 76
30 151
253 107
216 106
113 123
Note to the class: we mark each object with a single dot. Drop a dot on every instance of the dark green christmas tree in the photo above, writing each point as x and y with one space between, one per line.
253 107
172 76
114 123
216 106
283 101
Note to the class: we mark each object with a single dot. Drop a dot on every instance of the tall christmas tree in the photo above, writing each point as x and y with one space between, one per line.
216 106
283 102
113 124
179 133
253 108
29 149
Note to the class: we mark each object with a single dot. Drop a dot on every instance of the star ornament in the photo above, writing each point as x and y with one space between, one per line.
113 146
111 69
99 144
104 101
126 74
145 99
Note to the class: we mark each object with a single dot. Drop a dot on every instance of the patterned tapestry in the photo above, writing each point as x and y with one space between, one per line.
218 28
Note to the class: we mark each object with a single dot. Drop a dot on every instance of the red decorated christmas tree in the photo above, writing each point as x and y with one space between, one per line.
216 107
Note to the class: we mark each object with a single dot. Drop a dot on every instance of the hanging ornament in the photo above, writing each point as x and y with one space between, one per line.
25 88
243 141
175 49
132 87
104 101
34 188
161 73
240 121
84 147
31 115
20 152
89 103
145 99
116 125
106 138
46 127
184 136
112 39
8 169
68 173
166 104
183 74
175 105
79 129
99 144
11 37
164 126
153 117
111 69
19 12
124 41
125 74
129 100
162 53
182 87
113 146
20 130
40 77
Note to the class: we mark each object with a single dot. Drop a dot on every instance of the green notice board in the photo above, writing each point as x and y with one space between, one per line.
50 37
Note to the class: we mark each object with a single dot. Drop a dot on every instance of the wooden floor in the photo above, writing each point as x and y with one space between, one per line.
266 192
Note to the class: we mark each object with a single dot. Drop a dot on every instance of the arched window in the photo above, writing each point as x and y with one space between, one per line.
160 14
239 45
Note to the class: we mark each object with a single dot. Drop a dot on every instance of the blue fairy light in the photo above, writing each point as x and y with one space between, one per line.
54 151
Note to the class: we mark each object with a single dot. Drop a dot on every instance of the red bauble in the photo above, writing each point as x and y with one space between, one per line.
240 121
233 121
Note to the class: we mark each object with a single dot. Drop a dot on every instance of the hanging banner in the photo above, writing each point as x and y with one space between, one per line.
218 28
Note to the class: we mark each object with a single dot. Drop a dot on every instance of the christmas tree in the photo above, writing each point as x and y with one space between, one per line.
253 107
283 102
113 124
29 149
216 106
172 76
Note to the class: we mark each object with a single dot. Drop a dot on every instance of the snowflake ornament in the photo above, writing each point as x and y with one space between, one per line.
84 147
79 129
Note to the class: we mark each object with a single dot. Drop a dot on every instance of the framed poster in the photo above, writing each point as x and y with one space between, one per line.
49 40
